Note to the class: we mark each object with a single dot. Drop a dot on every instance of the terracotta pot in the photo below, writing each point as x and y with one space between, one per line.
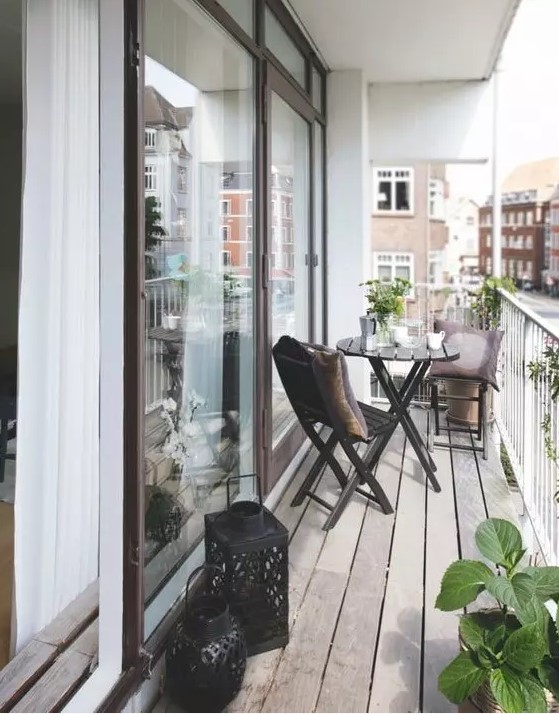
460 411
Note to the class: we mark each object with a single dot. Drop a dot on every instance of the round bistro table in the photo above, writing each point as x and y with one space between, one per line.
399 399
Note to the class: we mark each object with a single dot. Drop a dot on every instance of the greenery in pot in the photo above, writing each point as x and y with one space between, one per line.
487 302
545 371
513 648
386 299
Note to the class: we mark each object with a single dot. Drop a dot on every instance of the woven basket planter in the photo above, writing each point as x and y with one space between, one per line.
484 701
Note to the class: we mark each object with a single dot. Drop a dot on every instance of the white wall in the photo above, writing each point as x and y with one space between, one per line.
10 196
437 121
348 211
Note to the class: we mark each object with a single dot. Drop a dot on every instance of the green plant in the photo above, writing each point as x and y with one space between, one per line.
487 302
154 233
546 368
515 646
386 299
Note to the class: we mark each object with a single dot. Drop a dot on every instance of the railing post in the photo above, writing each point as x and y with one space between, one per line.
528 416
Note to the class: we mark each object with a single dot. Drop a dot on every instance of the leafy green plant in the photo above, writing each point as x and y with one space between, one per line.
487 302
387 299
514 648
546 369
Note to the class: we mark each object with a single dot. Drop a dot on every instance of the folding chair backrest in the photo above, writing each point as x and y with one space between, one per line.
294 365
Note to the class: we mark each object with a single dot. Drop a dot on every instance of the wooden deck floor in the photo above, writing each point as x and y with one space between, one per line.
364 632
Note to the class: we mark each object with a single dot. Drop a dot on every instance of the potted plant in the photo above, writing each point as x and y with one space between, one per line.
510 653
386 300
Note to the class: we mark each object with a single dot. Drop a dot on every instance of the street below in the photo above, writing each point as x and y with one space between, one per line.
542 305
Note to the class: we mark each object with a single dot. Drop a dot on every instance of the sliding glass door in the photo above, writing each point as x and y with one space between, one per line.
289 244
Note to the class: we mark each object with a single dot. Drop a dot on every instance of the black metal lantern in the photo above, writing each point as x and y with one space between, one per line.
250 545
206 659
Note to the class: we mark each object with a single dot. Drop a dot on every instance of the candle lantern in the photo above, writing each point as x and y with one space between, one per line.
206 659
250 545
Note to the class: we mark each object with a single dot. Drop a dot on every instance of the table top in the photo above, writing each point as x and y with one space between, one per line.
351 346
163 333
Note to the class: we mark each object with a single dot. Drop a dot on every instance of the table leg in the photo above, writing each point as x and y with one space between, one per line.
399 402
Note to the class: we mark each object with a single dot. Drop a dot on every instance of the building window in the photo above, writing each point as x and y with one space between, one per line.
528 267
150 178
181 179
393 190
226 258
181 222
225 233
529 218
225 208
488 240
284 234
273 260
387 266
149 138
249 207
274 207
488 266
528 243
436 199
249 234
249 259
288 261
275 234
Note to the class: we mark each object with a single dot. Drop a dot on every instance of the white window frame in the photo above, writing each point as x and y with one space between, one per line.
223 263
150 137
181 182
181 222
391 176
383 258
225 231
436 199
225 207
150 178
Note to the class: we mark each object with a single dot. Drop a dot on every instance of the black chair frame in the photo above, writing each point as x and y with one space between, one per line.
318 411
435 427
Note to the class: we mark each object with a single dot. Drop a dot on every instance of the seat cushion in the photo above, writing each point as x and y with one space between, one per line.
334 370
479 353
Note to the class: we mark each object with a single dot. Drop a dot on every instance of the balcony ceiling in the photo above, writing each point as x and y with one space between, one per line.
409 40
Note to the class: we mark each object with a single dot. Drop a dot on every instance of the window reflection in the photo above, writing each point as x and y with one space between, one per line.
198 108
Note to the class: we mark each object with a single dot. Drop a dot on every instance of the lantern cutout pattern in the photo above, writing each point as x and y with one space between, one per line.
206 658
250 546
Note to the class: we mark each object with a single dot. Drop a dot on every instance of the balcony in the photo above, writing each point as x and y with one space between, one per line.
365 634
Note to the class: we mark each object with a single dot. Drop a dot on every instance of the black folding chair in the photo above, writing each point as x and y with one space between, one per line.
309 394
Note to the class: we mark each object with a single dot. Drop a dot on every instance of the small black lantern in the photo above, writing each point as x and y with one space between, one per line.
250 545
206 659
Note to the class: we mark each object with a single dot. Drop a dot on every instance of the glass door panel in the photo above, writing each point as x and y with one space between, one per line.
199 141
288 244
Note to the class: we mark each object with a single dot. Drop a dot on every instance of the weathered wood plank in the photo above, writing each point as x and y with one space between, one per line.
57 684
470 505
72 620
345 687
440 643
23 671
302 522
396 678
297 682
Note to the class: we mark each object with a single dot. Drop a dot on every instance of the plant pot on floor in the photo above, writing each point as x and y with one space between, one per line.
462 411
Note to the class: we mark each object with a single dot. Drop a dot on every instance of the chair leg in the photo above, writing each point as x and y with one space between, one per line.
485 418
480 408
347 493
431 424
3 447
436 408
366 476
316 469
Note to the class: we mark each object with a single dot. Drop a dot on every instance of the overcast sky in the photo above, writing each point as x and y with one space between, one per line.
529 92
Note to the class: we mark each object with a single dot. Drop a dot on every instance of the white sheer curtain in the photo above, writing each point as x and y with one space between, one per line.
57 495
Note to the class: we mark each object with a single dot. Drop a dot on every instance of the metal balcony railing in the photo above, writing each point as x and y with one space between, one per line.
522 407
